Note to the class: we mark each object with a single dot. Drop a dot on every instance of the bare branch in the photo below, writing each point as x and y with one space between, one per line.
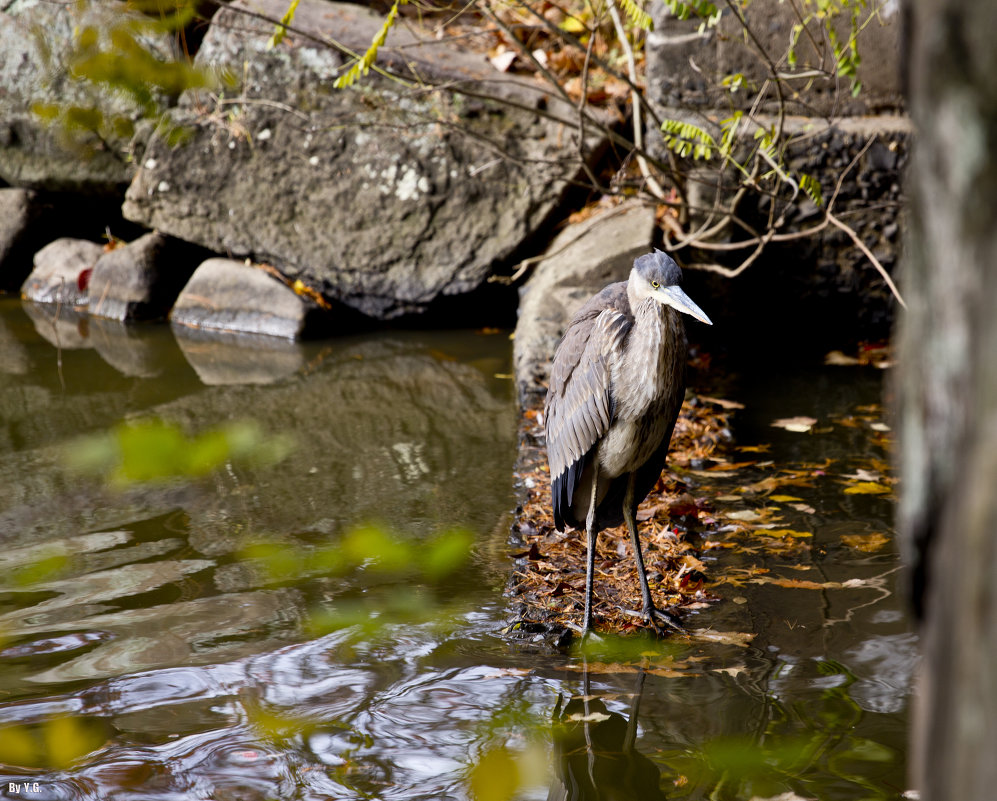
869 255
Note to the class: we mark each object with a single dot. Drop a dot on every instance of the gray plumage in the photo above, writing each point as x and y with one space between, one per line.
616 386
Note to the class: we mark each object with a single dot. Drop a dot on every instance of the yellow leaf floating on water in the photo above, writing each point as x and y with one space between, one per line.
784 498
782 532
867 543
866 488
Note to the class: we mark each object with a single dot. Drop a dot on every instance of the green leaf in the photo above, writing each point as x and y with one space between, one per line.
281 30
686 139
362 65
637 15
703 9
811 186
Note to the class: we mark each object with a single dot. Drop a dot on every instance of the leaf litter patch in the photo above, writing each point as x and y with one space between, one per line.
719 517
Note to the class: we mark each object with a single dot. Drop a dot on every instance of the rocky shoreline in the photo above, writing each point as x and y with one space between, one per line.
291 209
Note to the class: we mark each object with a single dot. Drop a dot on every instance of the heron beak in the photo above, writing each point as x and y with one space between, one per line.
674 296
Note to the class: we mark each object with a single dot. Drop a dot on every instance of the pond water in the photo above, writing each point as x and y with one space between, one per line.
154 659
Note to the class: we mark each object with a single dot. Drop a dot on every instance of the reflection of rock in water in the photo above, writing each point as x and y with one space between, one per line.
595 754
142 351
14 359
408 428
390 428
60 325
221 357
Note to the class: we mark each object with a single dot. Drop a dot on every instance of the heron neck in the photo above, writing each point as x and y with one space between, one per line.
647 366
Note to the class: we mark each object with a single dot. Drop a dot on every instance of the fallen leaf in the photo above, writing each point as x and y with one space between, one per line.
741 639
784 498
782 532
745 515
800 425
866 488
774 482
591 717
838 359
722 402
502 60
797 584
862 475
867 543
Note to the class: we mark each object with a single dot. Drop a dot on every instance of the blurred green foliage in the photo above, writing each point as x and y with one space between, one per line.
399 574
125 62
152 450
55 743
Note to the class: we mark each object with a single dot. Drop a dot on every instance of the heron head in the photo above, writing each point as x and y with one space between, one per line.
656 275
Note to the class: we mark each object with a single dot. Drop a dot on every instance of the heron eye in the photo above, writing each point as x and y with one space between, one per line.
655 284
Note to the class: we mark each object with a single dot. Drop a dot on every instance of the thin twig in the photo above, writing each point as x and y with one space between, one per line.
868 254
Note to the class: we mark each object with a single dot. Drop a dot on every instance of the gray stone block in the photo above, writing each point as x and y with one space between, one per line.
229 295
62 272
140 280
19 210
686 65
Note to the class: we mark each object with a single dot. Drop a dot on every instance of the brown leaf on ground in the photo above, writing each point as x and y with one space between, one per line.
867 543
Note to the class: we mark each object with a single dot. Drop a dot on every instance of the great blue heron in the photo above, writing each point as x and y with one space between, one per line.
616 386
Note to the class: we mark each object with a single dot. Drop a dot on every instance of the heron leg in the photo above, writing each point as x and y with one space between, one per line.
649 610
591 535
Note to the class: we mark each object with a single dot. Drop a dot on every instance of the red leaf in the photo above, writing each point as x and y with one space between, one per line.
83 279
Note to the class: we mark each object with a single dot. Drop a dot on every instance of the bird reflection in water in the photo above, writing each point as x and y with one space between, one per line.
595 753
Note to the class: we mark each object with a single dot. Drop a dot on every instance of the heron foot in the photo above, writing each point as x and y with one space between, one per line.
653 615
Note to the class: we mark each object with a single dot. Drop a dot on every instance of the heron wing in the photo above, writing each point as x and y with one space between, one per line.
579 406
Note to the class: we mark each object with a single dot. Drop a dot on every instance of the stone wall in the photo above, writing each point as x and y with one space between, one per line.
398 195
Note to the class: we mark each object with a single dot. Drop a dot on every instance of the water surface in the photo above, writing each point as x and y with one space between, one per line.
198 676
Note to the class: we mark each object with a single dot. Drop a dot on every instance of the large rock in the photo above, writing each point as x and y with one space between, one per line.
580 261
228 295
383 196
91 152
